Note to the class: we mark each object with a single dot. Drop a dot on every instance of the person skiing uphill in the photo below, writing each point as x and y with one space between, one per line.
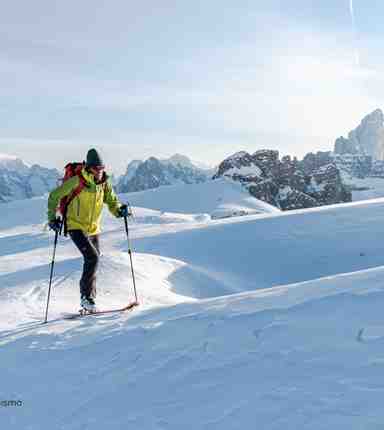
86 192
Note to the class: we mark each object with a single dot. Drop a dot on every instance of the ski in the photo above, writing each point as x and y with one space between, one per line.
84 313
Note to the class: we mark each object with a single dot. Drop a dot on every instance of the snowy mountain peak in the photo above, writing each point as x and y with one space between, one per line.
18 180
152 173
366 139
376 116
131 169
239 164
184 161
237 156
12 162
179 159
133 164
7 157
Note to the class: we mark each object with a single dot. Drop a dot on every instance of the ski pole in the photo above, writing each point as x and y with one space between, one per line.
130 256
50 279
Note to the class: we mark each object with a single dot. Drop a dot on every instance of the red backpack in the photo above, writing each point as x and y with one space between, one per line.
71 170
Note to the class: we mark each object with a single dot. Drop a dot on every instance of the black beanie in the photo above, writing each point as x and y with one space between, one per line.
94 159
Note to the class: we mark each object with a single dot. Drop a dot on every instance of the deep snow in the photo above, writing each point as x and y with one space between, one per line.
271 320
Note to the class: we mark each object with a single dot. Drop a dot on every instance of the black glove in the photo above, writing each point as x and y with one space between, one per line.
55 225
123 212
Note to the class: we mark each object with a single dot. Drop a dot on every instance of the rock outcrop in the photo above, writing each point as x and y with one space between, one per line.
287 183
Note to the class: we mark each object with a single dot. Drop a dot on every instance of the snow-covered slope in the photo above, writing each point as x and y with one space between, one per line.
220 198
272 320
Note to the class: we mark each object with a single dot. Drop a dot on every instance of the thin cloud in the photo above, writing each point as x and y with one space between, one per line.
268 79
352 13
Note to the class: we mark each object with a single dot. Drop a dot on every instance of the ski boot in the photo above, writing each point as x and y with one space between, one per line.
88 305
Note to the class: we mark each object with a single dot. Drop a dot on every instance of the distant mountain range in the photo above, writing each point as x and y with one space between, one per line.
320 178
20 181
154 172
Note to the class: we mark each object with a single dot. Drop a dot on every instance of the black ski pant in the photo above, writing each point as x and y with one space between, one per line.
89 247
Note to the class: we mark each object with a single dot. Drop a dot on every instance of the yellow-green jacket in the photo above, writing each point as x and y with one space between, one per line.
84 211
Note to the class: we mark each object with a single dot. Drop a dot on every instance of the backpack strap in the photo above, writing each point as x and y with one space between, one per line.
68 200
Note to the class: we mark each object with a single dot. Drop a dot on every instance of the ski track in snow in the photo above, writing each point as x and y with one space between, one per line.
272 319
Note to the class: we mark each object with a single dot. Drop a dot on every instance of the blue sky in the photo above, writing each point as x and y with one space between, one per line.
203 78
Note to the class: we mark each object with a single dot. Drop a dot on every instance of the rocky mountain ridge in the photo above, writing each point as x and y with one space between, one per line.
286 183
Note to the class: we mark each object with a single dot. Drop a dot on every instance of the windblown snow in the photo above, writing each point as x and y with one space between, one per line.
268 320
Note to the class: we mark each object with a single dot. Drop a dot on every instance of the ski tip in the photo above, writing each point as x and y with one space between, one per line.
131 305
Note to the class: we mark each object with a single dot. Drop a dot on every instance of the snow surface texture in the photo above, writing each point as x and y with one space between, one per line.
270 321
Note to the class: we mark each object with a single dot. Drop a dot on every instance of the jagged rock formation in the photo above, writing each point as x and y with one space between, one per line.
355 165
19 181
344 146
123 182
312 162
366 139
152 173
287 183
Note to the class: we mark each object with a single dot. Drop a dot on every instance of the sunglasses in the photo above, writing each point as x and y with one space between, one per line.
97 168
